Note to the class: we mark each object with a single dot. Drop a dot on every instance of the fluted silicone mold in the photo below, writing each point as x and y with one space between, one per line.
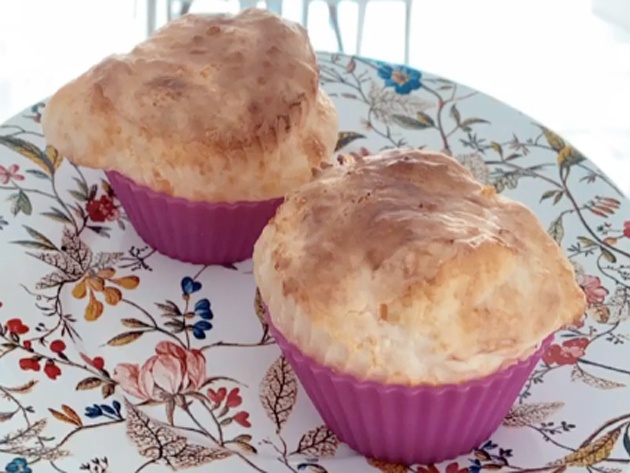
410 425
194 232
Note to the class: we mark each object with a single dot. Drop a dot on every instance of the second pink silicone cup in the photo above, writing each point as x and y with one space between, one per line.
410 425
193 232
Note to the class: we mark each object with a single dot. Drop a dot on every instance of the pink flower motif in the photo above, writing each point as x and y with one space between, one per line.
6 174
593 289
172 370
567 353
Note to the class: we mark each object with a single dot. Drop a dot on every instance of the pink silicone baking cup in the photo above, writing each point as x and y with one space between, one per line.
410 425
194 232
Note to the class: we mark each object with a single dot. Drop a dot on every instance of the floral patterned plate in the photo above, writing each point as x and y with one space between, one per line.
114 358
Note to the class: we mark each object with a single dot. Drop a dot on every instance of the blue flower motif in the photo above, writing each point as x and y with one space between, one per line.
403 79
475 466
200 328
189 285
18 465
98 410
111 411
93 411
203 309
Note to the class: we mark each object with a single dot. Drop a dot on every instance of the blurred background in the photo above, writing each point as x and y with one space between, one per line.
564 62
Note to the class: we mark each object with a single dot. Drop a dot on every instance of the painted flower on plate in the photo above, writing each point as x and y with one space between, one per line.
18 465
402 79
102 209
10 173
31 363
203 309
98 281
172 370
593 289
16 326
52 370
566 353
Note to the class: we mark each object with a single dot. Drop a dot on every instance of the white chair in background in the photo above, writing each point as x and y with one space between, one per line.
362 4
273 5
276 6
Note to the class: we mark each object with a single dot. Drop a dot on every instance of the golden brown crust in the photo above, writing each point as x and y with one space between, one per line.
402 268
211 107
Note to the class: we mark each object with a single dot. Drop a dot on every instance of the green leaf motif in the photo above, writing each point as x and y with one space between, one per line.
124 338
35 235
78 195
548 194
568 156
37 173
344 138
557 196
54 156
556 230
29 151
554 140
465 125
409 123
608 255
586 241
499 185
455 115
497 147
100 230
57 215
82 185
20 202
35 245
511 180
425 119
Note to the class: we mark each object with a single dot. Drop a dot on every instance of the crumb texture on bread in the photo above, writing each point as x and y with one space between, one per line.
401 268
211 107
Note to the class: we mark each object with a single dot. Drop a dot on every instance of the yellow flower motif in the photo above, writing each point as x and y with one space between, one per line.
94 282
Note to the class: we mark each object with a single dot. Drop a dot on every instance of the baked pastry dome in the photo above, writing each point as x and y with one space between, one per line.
211 107
401 268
